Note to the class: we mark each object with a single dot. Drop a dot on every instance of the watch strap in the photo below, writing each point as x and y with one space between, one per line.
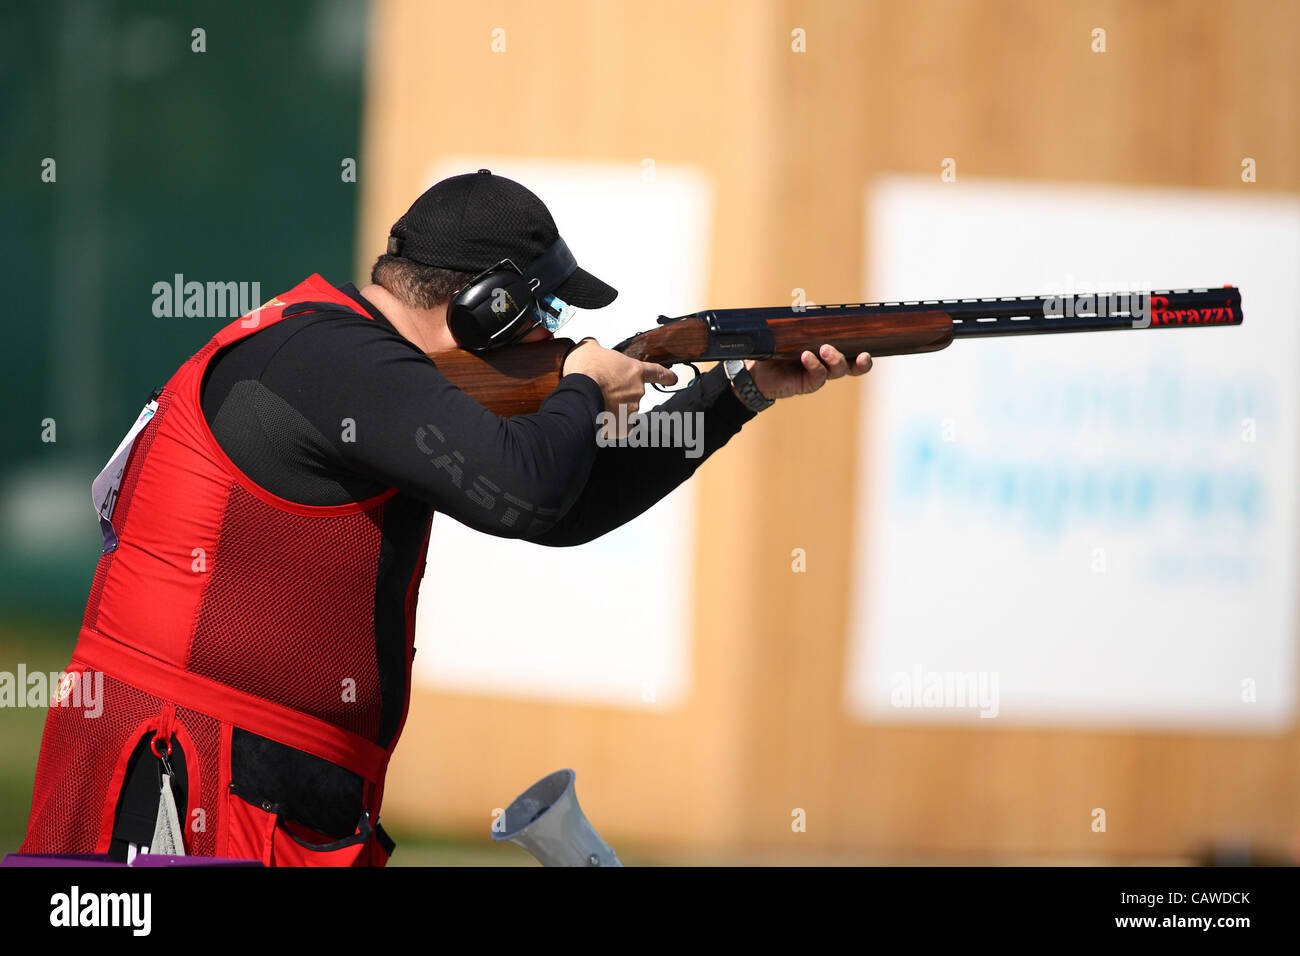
743 383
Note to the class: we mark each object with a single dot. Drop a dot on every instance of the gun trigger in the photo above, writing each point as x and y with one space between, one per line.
694 379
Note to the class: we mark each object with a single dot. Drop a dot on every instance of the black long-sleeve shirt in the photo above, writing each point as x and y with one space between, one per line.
329 407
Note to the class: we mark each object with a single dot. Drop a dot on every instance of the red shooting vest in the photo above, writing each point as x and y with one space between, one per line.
223 606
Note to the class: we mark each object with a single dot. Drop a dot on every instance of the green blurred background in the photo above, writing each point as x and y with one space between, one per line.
167 161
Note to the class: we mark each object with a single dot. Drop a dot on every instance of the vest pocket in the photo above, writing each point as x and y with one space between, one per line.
256 831
295 845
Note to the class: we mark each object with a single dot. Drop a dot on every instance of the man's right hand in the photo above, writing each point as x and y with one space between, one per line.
622 380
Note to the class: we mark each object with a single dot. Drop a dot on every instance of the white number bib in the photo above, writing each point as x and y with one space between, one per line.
104 489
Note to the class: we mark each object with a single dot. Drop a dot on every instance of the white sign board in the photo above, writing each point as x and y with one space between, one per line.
605 623
1087 529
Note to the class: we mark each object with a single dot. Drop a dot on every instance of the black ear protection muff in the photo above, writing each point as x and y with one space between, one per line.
501 304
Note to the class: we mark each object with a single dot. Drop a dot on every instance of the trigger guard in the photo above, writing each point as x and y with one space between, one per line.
672 391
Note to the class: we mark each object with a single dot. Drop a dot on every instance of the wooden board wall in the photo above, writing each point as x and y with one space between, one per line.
1008 89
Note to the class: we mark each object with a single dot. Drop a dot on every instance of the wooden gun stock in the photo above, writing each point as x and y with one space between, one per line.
512 381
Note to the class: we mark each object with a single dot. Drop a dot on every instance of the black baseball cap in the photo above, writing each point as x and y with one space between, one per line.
471 222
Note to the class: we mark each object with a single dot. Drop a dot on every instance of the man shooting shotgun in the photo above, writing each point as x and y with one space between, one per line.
266 520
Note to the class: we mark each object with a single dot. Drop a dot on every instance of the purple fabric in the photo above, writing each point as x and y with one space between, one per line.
102 859
56 859
161 859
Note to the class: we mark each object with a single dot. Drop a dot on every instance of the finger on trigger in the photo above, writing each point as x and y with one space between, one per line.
650 372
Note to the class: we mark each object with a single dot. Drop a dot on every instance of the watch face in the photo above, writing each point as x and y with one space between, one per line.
734 367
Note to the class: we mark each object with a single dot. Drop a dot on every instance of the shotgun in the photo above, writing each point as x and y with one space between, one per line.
516 379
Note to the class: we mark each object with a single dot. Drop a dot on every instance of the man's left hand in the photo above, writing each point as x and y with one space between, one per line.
785 378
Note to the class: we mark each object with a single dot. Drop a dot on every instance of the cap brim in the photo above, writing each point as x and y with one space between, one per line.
584 290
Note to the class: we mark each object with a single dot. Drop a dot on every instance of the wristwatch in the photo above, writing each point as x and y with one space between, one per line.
743 385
